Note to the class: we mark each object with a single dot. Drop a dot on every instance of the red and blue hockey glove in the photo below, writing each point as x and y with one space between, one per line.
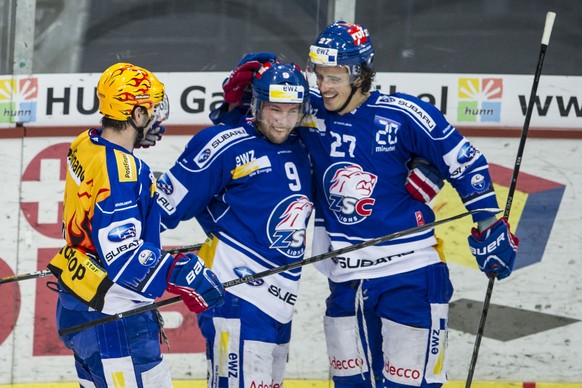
237 86
423 182
495 249
198 286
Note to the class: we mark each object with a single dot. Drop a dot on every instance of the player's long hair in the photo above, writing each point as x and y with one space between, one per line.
367 78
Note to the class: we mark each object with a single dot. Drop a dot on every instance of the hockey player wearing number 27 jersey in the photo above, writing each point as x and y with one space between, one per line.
395 294
360 160
249 187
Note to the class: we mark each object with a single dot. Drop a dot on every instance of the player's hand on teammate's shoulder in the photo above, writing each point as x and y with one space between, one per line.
236 87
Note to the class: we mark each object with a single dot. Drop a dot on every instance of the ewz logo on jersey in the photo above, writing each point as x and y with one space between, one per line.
287 224
349 191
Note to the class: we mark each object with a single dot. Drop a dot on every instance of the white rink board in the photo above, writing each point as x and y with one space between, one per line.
476 100
554 284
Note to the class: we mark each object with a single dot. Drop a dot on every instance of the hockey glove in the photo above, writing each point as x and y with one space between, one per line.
152 136
198 286
424 181
495 249
160 113
237 86
260 57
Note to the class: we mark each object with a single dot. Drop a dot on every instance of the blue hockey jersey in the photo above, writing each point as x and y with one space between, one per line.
360 168
253 198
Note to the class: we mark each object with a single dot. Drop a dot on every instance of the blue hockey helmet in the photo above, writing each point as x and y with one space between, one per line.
280 83
342 44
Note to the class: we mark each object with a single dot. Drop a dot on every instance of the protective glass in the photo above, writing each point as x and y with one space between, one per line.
316 77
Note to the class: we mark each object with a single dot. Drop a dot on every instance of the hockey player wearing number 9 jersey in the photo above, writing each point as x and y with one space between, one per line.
249 187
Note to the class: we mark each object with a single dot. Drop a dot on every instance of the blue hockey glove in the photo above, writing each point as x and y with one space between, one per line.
198 286
495 249
237 86
423 182
260 57
153 135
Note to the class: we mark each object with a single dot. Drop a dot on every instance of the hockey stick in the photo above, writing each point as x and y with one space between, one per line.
286 267
550 16
46 272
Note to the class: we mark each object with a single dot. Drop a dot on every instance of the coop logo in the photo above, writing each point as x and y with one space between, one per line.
18 100
479 100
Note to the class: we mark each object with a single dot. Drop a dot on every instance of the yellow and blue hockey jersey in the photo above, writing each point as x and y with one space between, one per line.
112 261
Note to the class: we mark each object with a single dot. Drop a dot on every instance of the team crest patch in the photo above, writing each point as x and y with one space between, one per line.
349 191
287 224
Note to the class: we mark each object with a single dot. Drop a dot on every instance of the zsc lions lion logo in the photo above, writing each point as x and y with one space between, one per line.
349 191
287 224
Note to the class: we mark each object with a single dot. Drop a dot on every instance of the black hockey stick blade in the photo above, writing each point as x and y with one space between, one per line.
287 267
46 272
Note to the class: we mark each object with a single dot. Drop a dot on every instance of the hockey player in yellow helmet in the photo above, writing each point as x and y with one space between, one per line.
122 88
113 261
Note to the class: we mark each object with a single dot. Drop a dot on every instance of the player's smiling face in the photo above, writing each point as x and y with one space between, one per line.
334 84
276 121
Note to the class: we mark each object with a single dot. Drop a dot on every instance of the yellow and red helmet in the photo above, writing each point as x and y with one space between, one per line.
124 86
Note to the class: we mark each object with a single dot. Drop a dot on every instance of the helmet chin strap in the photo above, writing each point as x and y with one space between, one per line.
354 88
140 131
